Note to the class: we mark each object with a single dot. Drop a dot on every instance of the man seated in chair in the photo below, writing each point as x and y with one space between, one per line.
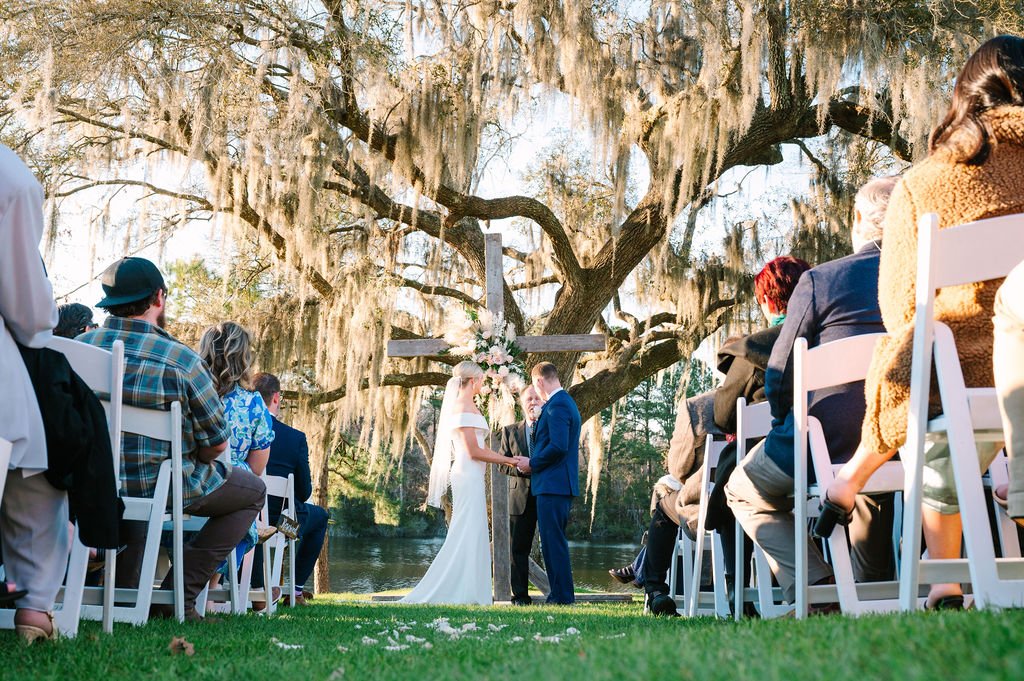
835 300
158 371
675 500
289 455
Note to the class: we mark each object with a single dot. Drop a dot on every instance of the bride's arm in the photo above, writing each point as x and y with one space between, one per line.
467 436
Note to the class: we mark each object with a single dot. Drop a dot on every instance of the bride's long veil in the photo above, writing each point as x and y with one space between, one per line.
440 466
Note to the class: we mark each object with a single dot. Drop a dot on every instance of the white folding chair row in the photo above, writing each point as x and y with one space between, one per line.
964 254
719 595
753 421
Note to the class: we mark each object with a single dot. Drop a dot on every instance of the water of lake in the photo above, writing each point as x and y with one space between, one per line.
372 565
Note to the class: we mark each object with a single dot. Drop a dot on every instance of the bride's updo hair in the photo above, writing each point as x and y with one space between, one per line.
467 371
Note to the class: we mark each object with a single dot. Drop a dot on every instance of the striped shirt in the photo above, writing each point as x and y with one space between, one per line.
158 371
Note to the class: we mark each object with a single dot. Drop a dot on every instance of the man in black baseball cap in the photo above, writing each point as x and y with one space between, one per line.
132 286
160 370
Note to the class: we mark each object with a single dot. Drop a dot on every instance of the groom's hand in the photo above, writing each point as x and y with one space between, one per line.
523 464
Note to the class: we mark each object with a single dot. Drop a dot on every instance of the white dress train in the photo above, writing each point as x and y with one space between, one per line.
461 571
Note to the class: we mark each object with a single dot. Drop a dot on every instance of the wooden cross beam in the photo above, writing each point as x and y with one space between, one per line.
495 297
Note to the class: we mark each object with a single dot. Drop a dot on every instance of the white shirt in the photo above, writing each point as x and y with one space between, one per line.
27 309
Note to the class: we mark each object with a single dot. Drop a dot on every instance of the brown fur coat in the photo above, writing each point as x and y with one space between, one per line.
959 193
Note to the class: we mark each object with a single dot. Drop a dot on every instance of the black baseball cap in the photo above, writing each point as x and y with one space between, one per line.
129 280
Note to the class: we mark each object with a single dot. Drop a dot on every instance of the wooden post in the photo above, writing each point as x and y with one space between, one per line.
501 560
494 287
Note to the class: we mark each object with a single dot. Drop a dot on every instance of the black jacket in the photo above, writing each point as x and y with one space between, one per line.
743 362
77 445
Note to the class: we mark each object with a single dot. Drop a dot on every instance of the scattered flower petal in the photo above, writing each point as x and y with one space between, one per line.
496 627
516 639
367 641
342 649
286 646
414 639
572 631
397 646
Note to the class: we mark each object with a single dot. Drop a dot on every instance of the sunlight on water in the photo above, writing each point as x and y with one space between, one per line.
372 565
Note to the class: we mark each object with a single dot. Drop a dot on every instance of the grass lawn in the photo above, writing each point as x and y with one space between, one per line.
344 639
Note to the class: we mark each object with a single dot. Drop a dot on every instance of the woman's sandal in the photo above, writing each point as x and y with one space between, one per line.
10 592
1005 503
830 514
30 634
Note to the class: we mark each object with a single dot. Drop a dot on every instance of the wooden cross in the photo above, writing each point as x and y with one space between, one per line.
495 289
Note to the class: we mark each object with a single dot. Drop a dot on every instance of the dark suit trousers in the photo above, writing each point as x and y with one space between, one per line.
661 538
522 528
552 520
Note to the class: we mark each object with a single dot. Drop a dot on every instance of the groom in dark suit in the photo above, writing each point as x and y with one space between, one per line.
519 439
554 467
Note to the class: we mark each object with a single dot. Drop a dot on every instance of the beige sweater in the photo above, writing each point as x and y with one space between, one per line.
958 193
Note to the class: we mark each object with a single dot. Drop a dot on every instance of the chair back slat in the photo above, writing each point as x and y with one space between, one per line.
838 362
977 251
277 486
152 423
752 420
92 364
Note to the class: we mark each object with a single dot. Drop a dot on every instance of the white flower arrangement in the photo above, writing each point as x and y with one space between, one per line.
489 341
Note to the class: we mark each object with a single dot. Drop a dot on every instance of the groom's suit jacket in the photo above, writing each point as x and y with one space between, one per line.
556 448
512 442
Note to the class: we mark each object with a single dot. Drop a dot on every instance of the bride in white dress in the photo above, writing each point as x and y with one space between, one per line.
461 571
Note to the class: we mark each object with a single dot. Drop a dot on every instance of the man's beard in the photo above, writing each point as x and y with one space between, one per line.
161 319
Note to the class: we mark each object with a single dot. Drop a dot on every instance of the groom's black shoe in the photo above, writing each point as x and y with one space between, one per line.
662 605
522 601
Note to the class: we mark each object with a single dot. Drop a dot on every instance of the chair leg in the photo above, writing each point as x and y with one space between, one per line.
66 619
738 573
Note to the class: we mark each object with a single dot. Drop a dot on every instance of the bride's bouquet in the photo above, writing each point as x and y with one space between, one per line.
489 341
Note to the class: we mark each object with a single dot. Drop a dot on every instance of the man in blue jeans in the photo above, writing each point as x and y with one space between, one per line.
289 455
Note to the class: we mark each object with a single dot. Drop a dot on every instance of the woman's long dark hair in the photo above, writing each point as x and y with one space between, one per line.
993 76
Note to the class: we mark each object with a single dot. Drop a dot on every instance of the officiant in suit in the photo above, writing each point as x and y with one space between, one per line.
517 440
555 466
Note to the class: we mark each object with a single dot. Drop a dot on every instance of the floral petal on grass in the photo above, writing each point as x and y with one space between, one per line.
367 641
496 627
178 644
469 626
615 636
342 649
428 645
550 618
414 639
572 631
547 639
285 646
397 646
517 639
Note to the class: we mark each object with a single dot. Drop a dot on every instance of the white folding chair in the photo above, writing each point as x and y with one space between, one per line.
754 421
708 539
831 364
682 555
275 547
103 371
5 460
979 251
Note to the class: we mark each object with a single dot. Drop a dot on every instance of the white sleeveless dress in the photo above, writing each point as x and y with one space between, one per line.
461 571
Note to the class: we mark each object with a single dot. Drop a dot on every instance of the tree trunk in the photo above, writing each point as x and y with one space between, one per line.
322 574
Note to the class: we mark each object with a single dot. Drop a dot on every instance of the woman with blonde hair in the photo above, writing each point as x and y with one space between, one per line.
461 571
227 350
974 171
